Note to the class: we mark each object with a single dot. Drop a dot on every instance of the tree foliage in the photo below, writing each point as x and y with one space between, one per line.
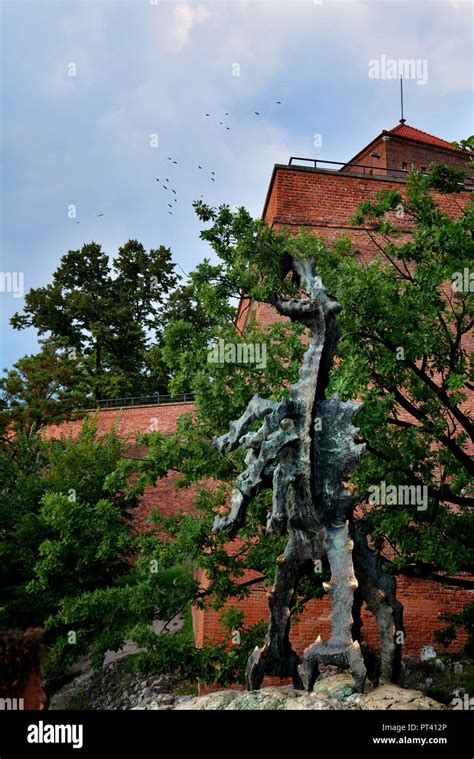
41 389
106 311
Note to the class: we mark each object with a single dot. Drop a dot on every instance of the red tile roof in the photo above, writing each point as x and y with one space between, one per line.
404 130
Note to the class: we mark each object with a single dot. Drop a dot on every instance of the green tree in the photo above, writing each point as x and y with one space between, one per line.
466 144
71 558
60 532
108 312
44 388
184 317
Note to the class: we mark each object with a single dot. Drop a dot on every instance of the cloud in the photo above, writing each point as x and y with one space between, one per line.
72 48
185 16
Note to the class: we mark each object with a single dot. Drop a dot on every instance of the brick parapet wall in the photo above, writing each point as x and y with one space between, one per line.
129 421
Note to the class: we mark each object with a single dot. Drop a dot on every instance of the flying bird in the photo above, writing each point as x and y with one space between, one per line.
169 205
99 214
256 113
173 191
207 114
176 162
278 102
157 179
213 172
170 213
199 167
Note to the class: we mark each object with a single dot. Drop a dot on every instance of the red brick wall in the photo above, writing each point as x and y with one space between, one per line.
423 601
395 151
420 154
131 421
367 159
314 198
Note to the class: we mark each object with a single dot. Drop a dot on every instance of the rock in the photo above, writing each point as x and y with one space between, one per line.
165 698
392 697
338 686
427 653
215 701
458 668
439 664
158 706
335 692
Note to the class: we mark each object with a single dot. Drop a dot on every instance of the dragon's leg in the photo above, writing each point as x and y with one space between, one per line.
378 589
276 657
340 650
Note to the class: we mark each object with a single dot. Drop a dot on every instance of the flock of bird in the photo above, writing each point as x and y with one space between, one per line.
166 185
166 182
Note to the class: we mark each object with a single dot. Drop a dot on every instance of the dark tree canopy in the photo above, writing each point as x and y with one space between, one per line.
108 312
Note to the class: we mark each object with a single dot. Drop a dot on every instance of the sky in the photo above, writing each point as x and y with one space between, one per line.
97 96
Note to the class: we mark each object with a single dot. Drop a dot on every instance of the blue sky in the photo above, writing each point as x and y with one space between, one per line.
155 67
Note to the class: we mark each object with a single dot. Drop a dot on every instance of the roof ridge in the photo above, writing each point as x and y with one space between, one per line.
406 127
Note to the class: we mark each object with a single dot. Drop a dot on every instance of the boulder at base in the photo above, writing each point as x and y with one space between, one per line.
335 692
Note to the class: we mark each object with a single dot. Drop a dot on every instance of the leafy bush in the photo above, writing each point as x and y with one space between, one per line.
220 663
456 620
